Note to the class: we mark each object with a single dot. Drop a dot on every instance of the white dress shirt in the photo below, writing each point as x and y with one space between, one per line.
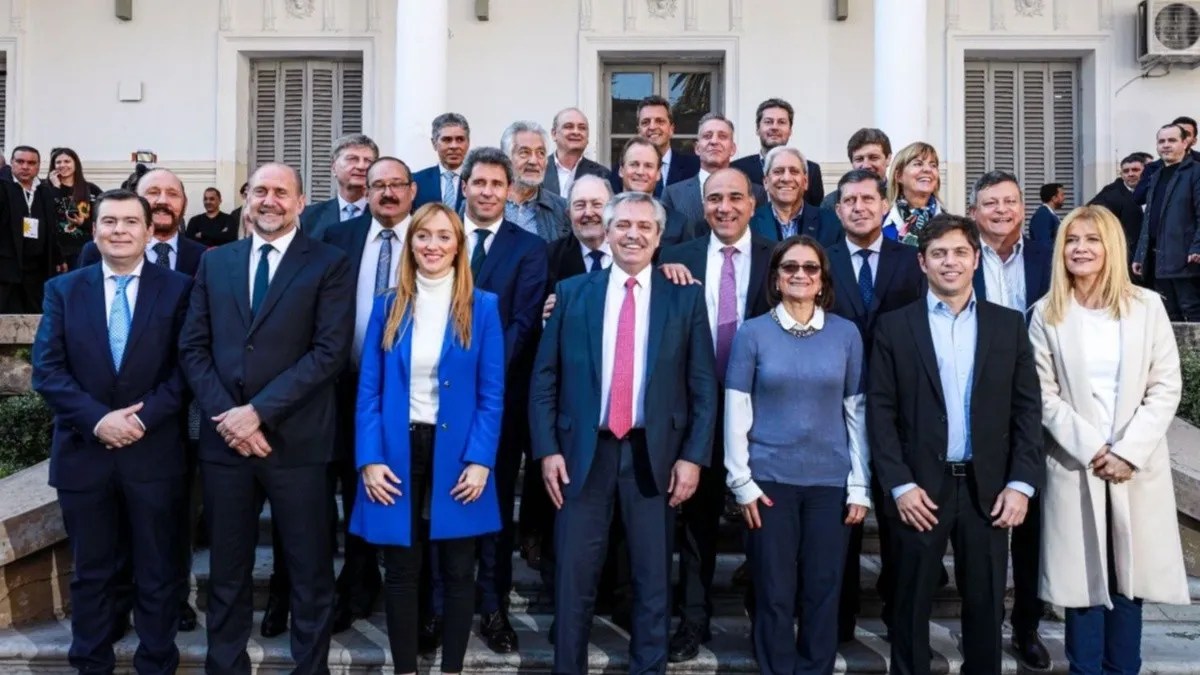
471 227
605 260
856 260
280 247
442 169
342 204
172 256
702 176
613 297
665 165
712 273
110 288
364 295
1004 280
431 313
566 177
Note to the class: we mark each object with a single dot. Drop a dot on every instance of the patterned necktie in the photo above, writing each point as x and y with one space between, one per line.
620 393
262 279
726 310
448 188
119 318
597 257
480 253
163 250
866 283
350 211
383 268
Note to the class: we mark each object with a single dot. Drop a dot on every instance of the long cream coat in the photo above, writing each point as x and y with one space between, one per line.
1146 548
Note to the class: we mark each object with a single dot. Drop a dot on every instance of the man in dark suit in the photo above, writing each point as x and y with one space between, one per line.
730 261
451 138
774 119
213 227
656 125
1043 226
715 146
167 247
106 362
871 275
28 250
532 207
352 154
784 212
570 132
1117 197
268 330
639 171
954 416
1172 220
623 405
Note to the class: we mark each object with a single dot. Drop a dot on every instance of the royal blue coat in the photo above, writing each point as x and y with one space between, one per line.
470 407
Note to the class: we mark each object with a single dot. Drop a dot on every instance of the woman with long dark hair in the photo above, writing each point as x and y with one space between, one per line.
73 197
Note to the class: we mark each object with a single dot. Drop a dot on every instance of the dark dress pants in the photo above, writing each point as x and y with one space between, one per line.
850 603
233 499
980 559
496 551
620 472
700 518
1026 547
1182 298
117 521
798 553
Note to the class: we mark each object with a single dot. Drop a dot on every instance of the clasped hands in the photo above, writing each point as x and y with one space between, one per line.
1110 467
383 486
120 428
241 429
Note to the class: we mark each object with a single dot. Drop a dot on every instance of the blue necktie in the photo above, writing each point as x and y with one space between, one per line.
262 279
866 284
350 211
119 318
480 253
163 250
448 196
597 257
383 268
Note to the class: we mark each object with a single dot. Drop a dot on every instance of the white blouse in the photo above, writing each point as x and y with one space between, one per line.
431 313
1102 354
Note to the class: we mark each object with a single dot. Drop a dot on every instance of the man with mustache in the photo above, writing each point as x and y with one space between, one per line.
531 207
352 154
451 139
715 146
567 164
774 119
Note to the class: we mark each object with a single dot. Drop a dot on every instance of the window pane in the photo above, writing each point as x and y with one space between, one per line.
627 90
616 145
691 97
684 145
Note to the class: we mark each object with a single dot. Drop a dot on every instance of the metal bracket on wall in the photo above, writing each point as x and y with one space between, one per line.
481 10
841 9
124 9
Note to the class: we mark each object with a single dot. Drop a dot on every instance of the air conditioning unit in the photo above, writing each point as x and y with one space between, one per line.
1169 32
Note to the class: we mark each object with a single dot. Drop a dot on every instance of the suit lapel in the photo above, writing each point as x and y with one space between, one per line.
983 337
94 300
550 182
358 242
659 309
979 284
498 253
695 202
883 276
843 273
405 346
149 287
292 262
760 260
239 278
918 321
593 304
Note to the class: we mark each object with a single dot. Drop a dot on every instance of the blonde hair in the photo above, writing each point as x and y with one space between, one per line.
463 296
906 156
1115 287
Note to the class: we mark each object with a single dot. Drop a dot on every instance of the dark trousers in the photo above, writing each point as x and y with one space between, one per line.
620 472
980 557
1026 546
1182 298
536 515
495 551
117 521
23 297
700 518
798 553
403 571
849 603
233 499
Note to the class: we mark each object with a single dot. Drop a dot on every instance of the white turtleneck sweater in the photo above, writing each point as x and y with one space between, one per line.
431 312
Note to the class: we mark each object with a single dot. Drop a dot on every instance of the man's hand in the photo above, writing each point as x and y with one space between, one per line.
554 476
750 511
470 483
548 307
119 428
1193 258
684 478
381 484
916 510
255 445
236 424
1010 508
855 514
677 274
1137 269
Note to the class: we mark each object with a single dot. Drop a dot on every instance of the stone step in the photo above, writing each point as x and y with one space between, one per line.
527 592
1167 647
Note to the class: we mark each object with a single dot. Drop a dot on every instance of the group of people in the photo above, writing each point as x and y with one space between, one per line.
411 341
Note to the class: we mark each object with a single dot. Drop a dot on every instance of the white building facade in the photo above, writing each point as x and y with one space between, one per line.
1051 89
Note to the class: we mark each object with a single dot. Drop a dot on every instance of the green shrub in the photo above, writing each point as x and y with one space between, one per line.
24 432
1189 404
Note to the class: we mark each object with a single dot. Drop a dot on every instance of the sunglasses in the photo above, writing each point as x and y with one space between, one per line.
790 267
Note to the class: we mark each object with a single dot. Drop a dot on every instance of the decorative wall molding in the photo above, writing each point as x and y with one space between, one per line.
585 14
225 15
735 15
268 23
952 15
997 15
16 16
691 15
1105 10
301 9
373 16
662 9
329 16
1029 7
1061 16
630 16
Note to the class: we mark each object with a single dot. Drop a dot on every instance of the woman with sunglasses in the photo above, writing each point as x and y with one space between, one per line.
796 453
430 399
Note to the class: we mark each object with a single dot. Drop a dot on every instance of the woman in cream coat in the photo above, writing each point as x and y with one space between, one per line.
1109 371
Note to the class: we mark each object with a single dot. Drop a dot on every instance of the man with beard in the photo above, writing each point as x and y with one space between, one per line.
213 227
352 154
774 119
451 138
715 145
168 202
533 209
567 164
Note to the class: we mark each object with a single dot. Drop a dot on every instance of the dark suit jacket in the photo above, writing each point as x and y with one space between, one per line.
898 283
429 188
515 270
565 260
906 408
752 166
317 217
686 198
13 212
284 360
1038 256
1178 223
73 370
1142 192
1043 226
682 167
694 255
1119 199
187 258
818 223
586 167
679 391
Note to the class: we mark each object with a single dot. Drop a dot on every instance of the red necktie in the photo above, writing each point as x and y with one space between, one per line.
620 393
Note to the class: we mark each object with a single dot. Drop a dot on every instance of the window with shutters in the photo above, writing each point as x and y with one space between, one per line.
298 109
1022 117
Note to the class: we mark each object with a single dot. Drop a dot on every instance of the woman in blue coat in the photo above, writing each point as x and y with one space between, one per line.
430 398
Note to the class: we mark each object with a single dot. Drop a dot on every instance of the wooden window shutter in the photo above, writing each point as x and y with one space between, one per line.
1064 148
1035 137
975 123
322 131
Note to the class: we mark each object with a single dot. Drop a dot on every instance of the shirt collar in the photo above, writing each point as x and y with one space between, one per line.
442 169
281 244
817 322
471 226
361 204
401 228
936 306
643 278
742 244
604 248
1018 248
667 156
109 273
36 182
874 247
702 176
173 242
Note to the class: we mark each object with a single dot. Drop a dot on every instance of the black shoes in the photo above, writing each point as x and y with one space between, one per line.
685 643
497 632
343 616
187 617
1031 651
429 636
275 618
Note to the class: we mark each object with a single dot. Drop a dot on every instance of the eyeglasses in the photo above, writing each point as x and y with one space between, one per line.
790 267
394 185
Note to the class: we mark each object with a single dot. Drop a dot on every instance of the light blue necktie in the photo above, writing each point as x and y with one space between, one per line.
349 212
448 196
383 268
119 319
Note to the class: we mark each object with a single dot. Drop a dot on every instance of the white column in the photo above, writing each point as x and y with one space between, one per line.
901 71
422 43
